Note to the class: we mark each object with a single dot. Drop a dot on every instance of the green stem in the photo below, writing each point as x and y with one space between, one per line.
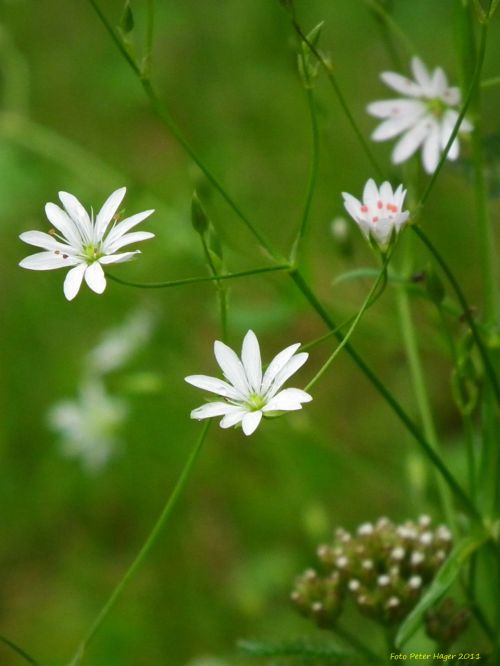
313 174
19 651
374 293
390 399
340 95
388 21
297 278
421 394
164 115
488 83
195 280
466 310
221 289
146 548
461 115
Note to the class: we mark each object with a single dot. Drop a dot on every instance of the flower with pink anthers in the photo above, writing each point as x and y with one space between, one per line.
380 216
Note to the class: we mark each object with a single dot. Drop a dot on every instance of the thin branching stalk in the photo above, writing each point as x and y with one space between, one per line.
301 284
313 174
221 289
195 280
146 548
436 460
357 644
19 651
374 293
420 233
392 26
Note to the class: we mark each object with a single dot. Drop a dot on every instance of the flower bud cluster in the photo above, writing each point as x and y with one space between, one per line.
382 567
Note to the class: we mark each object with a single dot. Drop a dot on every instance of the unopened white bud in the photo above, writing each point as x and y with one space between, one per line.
417 557
415 582
398 553
317 607
426 538
342 562
383 580
393 602
424 520
365 529
310 574
367 565
354 585
443 533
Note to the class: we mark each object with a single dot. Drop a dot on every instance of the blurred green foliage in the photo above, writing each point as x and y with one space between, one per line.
74 118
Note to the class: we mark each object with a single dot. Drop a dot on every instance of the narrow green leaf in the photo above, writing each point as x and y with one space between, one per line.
15 648
296 648
361 273
440 585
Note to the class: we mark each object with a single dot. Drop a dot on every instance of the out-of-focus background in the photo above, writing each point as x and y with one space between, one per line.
94 412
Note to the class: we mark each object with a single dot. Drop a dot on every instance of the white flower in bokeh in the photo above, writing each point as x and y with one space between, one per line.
89 426
249 394
425 116
118 345
380 216
82 244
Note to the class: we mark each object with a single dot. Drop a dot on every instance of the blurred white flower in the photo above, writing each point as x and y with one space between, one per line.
425 116
249 395
83 244
119 344
380 217
89 425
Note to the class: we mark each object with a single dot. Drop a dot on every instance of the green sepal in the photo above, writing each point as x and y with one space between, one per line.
127 22
199 218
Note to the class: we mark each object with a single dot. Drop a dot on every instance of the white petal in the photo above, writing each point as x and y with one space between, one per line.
352 205
401 84
127 239
421 74
46 241
73 281
233 417
211 409
277 364
370 192
63 223
125 225
250 422
47 261
78 214
411 141
214 385
118 258
395 108
439 83
432 149
250 357
386 193
286 372
232 367
108 210
95 278
394 126
287 400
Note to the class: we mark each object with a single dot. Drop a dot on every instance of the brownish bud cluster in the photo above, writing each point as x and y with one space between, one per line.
383 568
446 622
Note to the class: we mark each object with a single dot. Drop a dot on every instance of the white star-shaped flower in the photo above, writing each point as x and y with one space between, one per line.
425 116
83 244
380 217
249 394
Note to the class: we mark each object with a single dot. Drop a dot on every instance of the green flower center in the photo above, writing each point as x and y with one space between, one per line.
92 252
256 402
436 106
